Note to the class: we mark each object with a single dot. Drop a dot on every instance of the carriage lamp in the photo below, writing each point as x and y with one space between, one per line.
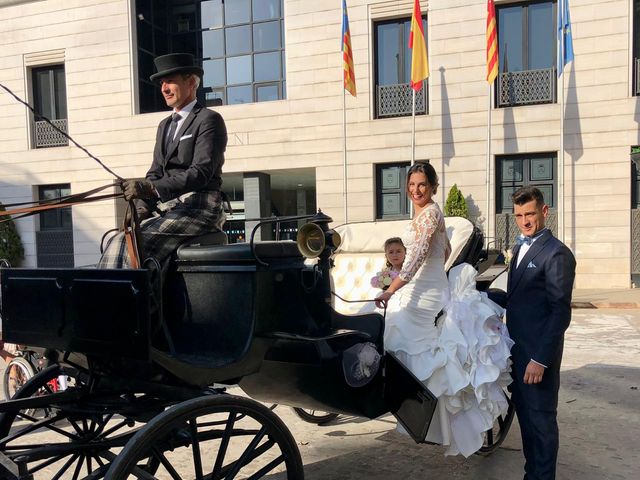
312 240
314 237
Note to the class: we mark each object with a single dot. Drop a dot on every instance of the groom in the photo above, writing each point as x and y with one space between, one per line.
541 275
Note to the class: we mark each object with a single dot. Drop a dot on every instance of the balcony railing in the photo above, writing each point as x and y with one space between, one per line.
395 100
635 241
636 77
47 136
527 88
54 248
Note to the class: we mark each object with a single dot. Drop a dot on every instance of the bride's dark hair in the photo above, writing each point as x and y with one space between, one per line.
429 172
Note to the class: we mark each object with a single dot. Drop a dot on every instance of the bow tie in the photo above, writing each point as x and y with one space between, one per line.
522 240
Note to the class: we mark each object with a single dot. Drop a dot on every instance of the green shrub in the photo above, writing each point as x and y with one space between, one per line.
456 205
10 243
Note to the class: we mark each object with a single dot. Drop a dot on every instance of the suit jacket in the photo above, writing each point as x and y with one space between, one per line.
193 162
539 312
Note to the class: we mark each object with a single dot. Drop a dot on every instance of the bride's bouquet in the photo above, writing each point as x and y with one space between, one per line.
383 278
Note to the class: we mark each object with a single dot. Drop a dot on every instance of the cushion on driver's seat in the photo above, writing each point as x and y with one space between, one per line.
211 238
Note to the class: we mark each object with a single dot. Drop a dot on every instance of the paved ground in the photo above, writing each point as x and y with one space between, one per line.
599 418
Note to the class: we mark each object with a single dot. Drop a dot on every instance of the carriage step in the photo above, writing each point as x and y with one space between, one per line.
10 470
335 334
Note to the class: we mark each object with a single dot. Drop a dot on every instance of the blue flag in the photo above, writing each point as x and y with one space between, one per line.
565 40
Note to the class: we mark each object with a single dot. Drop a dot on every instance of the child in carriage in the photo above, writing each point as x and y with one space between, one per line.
394 253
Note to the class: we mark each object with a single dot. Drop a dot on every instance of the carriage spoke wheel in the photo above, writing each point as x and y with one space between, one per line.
315 416
60 443
214 437
493 438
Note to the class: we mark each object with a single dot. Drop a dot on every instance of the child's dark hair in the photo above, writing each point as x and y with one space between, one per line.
391 241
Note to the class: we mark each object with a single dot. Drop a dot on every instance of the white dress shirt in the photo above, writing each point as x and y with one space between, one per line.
184 112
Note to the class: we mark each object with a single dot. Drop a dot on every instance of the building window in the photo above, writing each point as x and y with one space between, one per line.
239 43
527 48
636 47
49 100
513 172
391 194
393 69
54 238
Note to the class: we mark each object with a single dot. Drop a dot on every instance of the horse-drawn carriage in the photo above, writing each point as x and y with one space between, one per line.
148 353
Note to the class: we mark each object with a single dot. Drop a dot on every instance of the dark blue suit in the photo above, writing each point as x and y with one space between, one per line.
538 313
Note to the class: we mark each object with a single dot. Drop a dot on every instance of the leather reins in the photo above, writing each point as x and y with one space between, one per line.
130 225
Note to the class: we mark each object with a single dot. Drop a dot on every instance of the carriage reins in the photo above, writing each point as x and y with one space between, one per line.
131 225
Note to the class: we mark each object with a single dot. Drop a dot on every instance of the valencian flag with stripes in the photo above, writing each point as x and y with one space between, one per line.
492 43
347 54
418 46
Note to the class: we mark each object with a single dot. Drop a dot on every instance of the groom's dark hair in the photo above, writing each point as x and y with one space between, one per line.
526 194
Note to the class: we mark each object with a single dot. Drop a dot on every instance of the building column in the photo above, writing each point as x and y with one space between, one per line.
257 203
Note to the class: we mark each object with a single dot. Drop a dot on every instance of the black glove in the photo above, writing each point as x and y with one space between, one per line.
138 188
143 214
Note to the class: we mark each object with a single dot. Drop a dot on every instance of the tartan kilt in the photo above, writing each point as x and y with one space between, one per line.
161 235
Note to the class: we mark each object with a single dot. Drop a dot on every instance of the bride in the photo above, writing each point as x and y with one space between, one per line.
464 360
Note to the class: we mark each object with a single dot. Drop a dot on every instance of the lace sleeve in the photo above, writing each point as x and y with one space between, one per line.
423 227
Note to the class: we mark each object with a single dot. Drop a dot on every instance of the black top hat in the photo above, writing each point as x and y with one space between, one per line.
175 63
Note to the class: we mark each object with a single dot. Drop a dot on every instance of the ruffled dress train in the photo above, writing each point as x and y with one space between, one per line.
464 360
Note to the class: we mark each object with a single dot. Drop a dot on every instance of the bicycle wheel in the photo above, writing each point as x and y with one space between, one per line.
16 374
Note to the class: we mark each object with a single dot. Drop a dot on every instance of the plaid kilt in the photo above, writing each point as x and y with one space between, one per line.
161 235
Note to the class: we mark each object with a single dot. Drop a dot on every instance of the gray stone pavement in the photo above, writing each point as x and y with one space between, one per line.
599 417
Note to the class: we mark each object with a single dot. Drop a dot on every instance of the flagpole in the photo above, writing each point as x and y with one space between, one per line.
413 127
561 56
344 153
488 167
561 166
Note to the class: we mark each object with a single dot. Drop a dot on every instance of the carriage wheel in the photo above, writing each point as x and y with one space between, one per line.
315 416
493 438
213 437
79 442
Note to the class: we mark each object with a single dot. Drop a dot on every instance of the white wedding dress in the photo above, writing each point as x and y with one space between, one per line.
464 360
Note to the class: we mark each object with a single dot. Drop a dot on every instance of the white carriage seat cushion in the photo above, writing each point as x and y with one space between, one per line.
360 257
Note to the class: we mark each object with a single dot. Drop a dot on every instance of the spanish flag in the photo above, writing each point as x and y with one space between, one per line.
418 46
492 43
347 54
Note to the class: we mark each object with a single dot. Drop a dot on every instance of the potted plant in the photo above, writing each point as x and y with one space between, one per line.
10 244
456 205
635 156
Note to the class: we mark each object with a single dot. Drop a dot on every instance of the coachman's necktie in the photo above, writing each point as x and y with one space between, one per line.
175 118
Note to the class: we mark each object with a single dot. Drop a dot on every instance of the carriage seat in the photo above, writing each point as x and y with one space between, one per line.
212 238
239 252
360 256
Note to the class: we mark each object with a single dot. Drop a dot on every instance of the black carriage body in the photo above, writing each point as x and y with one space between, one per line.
103 312
231 314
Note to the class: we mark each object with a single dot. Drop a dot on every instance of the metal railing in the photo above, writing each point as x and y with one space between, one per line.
395 100
529 87
636 77
47 136
507 231
635 241
54 248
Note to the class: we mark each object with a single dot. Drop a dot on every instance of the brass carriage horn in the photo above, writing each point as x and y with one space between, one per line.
312 240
